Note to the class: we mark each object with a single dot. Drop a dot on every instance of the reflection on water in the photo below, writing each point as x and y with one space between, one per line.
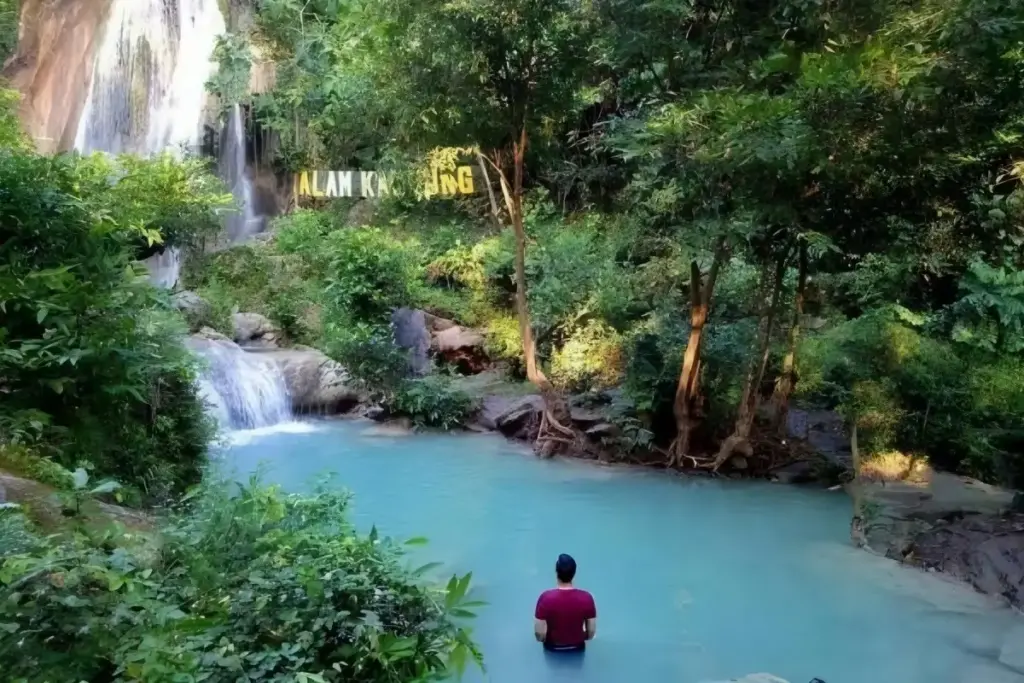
694 580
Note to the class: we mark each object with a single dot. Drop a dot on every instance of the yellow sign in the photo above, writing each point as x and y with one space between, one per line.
443 177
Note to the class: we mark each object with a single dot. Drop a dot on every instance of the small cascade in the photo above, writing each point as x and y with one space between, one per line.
233 170
244 390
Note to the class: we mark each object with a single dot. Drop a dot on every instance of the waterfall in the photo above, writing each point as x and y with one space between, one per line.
244 390
148 91
233 169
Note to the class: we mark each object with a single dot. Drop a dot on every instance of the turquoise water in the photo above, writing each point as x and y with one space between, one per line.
695 580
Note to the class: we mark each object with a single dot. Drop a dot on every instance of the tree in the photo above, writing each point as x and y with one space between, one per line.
492 75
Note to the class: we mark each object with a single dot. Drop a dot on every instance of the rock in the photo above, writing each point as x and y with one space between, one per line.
53 66
585 417
799 472
375 413
738 462
948 523
193 306
210 334
1012 652
521 418
3 494
253 329
456 338
438 324
316 384
461 347
410 329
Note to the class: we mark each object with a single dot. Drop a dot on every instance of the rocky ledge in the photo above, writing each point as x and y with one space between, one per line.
948 523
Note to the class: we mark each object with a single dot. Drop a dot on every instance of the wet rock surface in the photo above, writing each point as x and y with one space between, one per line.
985 551
948 523
254 330
316 384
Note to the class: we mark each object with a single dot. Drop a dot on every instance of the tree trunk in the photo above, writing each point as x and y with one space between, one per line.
788 379
686 407
495 213
557 432
739 441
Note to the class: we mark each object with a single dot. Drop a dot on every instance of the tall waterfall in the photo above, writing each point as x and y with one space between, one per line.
233 169
149 85
148 90
245 390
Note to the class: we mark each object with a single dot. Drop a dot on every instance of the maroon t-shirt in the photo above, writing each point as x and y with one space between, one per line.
565 611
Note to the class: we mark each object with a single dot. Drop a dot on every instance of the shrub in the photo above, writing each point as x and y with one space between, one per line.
591 359
370 355
433 402
370 274
253 585
84 340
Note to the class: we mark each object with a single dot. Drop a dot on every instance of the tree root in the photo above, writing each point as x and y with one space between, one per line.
553 434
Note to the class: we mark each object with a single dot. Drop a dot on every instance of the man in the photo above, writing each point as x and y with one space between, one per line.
566 617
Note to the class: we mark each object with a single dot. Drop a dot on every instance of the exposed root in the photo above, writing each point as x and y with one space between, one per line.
553 437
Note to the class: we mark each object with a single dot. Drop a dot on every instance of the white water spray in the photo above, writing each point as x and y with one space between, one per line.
244 390
148 91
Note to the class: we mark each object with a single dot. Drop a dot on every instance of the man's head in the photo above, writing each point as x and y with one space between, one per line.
565 568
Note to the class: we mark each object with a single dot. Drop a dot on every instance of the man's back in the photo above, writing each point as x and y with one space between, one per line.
566 611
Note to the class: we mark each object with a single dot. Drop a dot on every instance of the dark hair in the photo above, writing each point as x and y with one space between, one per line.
565 568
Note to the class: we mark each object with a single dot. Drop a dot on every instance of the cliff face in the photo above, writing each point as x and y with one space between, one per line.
52 67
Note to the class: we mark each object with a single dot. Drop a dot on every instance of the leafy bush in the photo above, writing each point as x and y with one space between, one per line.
84 339
433 402
591 359
370 274
370 355
252 584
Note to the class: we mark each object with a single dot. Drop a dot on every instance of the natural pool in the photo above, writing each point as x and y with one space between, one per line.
695 580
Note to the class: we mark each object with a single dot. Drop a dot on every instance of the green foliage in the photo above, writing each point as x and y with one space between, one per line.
24 462
91 357
252 583
910 392
370 273
370 355
591 359
10 11
433 402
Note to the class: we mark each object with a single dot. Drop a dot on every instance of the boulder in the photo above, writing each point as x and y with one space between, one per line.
438 324
603 430
461 347
521 417
210 334
799 472
253 329
191 304
410 330
316 384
